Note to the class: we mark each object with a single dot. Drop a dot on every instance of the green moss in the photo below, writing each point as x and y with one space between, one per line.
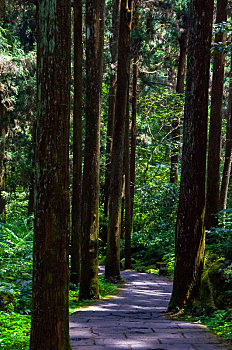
6 300
214 284
206 292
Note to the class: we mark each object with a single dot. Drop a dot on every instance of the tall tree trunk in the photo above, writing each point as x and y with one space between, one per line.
228 151
134 116
190 233
175 148
50 316
111 111
77 146
128 224
90 188
115 201
214 148
133 136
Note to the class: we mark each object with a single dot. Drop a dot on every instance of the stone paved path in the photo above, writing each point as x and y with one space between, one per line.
135 319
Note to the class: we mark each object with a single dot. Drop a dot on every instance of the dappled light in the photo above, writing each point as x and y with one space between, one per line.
136 319
115 150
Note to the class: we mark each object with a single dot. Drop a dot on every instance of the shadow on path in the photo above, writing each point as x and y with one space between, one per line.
135 319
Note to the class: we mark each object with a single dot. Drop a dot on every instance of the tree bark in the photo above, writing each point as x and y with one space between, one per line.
190 233
113 239
111 111
175 148
90 188
214 147
127 220
30 207
133 136
50 316
2 160
77 146
228 152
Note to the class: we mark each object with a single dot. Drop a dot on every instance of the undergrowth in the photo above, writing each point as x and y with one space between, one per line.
16 242
220 322
105 289
15 328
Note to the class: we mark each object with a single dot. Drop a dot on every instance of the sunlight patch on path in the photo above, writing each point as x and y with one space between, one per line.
135 319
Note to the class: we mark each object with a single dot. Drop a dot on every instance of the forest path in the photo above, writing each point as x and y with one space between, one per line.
135 319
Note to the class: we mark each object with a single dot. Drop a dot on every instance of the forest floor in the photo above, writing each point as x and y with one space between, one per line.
135 319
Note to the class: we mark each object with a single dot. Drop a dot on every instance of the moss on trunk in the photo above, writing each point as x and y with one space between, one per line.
50 317
190 233
77 146
89 288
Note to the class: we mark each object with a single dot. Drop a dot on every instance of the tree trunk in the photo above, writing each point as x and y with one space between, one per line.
175 148
127 220
122 227
111 111
133 136
115 201
77 146
2 160
214 148
190 233
228 152
30 207
50 316
90 188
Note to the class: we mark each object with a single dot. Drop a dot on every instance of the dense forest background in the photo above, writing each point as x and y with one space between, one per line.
126 130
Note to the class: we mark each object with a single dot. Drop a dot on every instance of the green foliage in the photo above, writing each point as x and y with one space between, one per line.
219 239
21 164
14 331
15 65
154 123
105 289
220 322
154 223
16 241
18 94
156 200
155 43
21 20
16 254
147 269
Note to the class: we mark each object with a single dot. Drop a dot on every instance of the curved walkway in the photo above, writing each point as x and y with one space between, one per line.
135 319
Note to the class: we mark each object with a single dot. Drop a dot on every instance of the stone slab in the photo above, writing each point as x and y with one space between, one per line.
135 319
